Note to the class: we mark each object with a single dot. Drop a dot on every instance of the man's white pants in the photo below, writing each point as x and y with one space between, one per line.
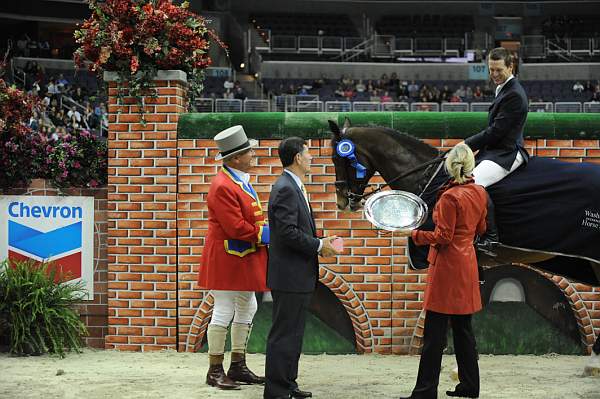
239 306
489 172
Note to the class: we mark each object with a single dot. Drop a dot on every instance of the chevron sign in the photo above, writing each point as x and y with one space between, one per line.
50 229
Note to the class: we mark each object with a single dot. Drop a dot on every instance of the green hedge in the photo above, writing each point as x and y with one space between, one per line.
277 125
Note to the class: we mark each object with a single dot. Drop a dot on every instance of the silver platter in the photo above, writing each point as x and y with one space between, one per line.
395 210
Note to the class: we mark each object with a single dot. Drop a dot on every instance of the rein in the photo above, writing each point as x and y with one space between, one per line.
409 172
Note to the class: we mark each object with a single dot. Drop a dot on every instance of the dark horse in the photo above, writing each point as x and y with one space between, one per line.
391 154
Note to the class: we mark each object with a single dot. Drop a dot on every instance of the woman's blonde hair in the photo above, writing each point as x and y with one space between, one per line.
460 163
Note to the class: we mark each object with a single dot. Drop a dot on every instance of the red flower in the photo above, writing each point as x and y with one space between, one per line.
134 64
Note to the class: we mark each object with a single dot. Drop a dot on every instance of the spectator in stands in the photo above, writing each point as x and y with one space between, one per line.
75 117
228 94
394 83
589 87
62 80
239 93
577 88
468 93
375 96
228 84
461 92
446 94
360 87
596 96
78 95
22 49
455 99
349 93
339 92
413 90
386 98
477 93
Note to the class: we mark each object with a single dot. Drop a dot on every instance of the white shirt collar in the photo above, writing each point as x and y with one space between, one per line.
499 88
242 175
296 178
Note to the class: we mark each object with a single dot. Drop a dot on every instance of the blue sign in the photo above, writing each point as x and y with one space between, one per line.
478 72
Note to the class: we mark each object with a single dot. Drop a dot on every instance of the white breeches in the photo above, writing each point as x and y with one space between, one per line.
489 172
239 306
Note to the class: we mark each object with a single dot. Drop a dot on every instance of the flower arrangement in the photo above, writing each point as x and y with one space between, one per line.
136 38
78 160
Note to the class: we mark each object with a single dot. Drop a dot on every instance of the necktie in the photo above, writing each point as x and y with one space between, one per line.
305 195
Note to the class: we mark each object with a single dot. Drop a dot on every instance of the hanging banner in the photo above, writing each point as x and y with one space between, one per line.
58 230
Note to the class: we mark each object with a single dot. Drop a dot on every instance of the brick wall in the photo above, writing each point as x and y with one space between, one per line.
142 225
382 296
94 313
157 220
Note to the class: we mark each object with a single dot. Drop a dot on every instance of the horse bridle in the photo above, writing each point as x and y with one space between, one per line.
355 197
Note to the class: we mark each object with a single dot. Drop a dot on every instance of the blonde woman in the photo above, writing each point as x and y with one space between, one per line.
452 291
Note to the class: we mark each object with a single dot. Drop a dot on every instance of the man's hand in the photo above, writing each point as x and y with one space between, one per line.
328 249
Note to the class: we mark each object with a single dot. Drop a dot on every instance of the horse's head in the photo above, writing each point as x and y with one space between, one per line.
352 167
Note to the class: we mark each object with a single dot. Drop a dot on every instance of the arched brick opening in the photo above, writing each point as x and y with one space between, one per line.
336 284
582 316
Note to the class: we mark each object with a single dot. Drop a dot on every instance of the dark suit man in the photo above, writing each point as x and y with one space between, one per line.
500 145
292 269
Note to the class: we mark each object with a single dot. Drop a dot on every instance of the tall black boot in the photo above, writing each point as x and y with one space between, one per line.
489 241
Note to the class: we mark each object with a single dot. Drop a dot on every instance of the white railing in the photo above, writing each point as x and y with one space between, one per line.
366 106
204 104
257 105
225 105
395 107
455 107
309 106
541 107
310 103
591 107
425 107
567 107
480 107
338 106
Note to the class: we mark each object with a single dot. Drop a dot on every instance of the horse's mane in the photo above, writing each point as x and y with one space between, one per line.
405 139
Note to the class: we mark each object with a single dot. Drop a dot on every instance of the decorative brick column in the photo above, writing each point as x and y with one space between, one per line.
142 222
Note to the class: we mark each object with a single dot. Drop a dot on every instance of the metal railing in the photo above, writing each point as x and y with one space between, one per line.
309 106
257 105
311 103
541 107
225 105
455 107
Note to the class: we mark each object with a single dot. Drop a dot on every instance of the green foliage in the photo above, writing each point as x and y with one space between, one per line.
514 328
37 312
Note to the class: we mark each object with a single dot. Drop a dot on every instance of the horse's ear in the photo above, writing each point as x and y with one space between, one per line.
346 122
335 129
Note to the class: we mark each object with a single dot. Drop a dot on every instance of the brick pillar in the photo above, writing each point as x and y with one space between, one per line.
142 234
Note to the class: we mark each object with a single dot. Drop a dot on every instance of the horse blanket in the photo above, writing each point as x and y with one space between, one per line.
549 206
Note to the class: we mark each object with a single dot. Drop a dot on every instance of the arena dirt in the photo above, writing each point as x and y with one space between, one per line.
120 375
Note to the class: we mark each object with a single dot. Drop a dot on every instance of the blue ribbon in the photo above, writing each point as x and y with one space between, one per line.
345 149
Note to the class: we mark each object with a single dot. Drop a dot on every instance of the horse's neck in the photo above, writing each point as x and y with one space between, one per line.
393 156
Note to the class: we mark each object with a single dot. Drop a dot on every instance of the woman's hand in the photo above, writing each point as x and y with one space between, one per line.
403 233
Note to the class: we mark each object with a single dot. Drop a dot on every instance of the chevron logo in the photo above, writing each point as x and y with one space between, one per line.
61 246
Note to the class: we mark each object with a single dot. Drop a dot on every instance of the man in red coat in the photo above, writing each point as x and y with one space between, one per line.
234 258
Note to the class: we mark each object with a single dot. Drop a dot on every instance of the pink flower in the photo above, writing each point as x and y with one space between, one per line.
134 66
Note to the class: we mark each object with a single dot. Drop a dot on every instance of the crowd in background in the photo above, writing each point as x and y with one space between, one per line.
63 106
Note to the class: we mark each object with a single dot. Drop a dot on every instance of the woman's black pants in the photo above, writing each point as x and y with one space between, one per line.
434 340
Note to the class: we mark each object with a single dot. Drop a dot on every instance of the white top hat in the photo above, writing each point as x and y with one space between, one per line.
233 140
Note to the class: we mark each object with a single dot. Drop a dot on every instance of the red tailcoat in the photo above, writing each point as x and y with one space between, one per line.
453 278
234 257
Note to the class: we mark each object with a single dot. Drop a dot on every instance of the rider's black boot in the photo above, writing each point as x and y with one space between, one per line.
489 241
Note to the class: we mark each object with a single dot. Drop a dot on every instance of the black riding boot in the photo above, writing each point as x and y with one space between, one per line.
488 242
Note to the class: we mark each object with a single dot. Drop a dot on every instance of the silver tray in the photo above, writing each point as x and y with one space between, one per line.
395 210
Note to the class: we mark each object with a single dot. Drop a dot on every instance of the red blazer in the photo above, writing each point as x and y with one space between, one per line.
234 257
452 279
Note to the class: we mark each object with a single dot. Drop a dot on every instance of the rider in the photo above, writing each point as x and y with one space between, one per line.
500 146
